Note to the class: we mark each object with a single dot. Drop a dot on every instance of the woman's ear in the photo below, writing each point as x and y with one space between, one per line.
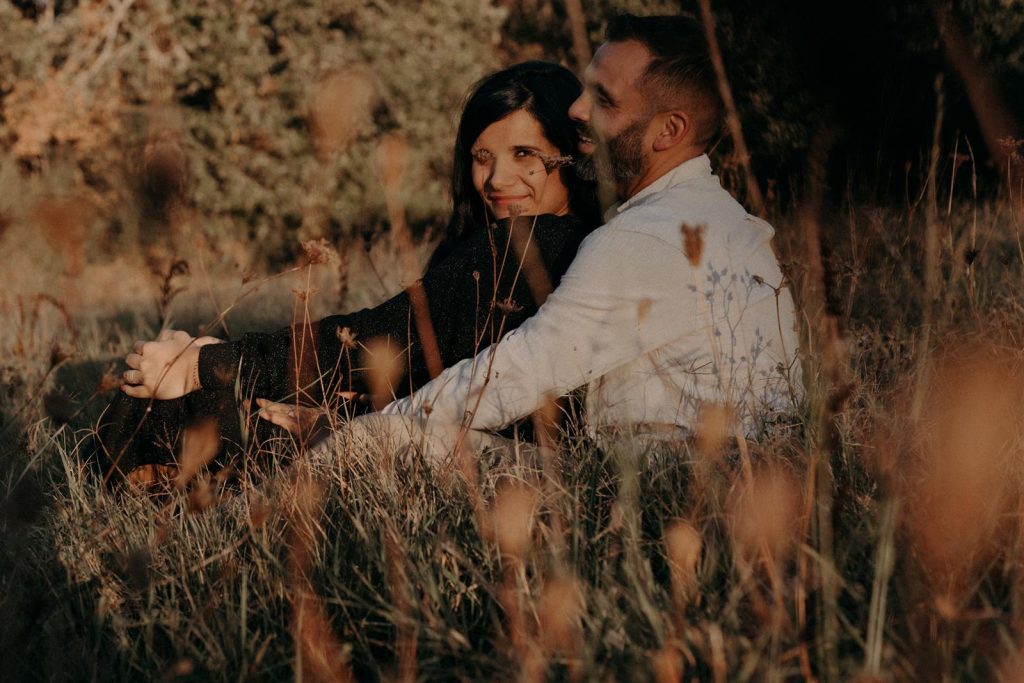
675 130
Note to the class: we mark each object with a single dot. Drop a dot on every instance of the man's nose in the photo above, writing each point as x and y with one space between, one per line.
580 109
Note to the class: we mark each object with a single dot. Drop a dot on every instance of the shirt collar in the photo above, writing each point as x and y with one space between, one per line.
696 167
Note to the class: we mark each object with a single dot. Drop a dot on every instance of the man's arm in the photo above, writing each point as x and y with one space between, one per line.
625 295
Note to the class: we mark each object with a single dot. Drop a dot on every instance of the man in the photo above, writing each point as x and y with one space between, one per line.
676 302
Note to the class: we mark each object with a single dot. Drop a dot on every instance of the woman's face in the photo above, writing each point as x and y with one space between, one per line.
508 170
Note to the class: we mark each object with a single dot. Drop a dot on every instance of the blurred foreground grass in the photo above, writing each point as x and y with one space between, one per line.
878 539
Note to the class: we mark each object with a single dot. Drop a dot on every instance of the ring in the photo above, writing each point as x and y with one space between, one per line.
131 376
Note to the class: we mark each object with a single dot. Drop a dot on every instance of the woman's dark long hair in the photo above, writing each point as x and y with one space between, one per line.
544 90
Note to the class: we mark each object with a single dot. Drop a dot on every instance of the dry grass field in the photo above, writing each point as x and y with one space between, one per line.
878 537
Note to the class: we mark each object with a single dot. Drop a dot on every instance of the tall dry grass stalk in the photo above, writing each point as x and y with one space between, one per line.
732 119
829 383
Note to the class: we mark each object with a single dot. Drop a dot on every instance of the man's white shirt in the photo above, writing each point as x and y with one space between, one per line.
652 335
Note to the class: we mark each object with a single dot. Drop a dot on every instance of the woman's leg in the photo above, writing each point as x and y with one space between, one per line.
133 432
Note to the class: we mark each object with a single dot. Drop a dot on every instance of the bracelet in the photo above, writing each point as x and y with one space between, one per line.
196 385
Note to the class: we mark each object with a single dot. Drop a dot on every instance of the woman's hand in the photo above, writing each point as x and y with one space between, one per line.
164 369
307 424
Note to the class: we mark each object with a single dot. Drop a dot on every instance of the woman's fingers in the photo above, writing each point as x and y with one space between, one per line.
166 368
167 335
136 390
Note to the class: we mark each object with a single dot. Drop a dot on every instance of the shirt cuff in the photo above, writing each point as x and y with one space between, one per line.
218 365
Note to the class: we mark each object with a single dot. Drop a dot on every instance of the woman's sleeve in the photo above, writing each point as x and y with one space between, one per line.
489 284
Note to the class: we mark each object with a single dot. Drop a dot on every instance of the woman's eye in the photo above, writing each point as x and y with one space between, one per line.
525 153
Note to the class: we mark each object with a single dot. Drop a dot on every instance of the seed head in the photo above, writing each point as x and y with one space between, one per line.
347 337
683 543
764 514
319 251
199 446
553 163
59 353
512 519
508 306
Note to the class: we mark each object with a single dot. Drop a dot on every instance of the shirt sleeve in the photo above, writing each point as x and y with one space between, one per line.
626 294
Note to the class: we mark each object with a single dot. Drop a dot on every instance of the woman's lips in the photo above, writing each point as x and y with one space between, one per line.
506 201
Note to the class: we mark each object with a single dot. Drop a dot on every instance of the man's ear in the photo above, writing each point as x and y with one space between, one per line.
676 129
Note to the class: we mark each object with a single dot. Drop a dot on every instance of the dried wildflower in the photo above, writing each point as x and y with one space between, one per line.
558 611
340 108
683 543
966 445
391 161
667 665
643 308
164 169
714 425
59 353
319 251
304 294
693 242
764 516
346 336
1011 147
553 163
482 156
515 211
384 363
110 380
202 496
179 267
152 476
508 306
259 510
512 519
200 444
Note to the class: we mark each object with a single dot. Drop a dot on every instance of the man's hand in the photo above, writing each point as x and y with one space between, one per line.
307 424
165 369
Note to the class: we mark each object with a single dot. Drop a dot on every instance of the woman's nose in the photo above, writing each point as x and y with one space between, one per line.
502 174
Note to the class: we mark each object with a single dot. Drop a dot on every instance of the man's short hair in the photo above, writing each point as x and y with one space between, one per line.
681 73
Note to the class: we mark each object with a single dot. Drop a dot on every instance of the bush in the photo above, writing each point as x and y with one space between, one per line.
209 106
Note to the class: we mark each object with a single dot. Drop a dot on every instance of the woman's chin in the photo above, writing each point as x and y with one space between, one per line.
502 211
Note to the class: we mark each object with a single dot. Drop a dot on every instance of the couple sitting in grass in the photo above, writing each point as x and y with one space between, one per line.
674 303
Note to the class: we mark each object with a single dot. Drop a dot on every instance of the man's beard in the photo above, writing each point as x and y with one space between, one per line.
617 159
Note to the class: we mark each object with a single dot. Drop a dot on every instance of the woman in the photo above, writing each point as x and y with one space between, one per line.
513 143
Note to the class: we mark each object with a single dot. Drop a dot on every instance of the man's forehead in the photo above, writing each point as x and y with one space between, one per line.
618 65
